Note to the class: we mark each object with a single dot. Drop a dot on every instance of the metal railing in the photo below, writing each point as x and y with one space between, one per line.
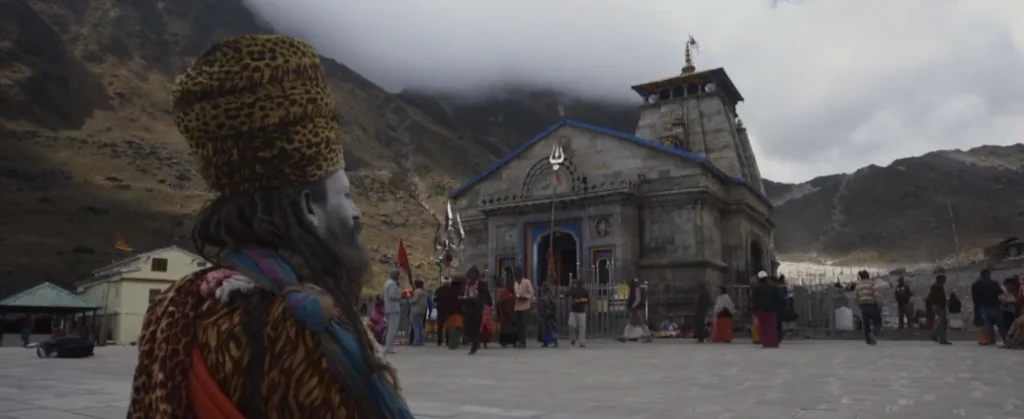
815 304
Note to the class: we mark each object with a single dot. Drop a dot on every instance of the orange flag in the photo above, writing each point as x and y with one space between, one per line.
403 261
120 244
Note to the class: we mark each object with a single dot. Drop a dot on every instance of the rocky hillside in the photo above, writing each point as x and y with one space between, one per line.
502 119
901 213
88 149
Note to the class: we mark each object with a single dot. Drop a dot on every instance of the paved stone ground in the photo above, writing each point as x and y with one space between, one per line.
670 379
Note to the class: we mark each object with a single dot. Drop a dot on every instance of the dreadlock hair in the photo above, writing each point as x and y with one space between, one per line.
273 218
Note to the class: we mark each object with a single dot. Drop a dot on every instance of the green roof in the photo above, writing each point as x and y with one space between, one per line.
47 295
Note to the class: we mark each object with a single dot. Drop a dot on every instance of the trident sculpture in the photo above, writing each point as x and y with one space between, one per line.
448 241
557 157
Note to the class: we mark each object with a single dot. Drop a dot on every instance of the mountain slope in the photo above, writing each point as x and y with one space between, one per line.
905 212
503 118
89 149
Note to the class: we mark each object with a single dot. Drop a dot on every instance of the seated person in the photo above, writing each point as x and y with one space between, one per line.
686 330
669 325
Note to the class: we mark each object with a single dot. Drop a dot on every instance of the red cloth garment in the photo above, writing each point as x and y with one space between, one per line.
208 401
487 325
722 331
766 321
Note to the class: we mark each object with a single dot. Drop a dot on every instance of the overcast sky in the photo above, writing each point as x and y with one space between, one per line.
830 85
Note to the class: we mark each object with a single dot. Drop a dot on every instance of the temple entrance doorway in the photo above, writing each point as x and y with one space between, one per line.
566 250
756 258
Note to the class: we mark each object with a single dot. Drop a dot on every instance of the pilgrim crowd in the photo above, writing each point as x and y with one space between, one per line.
464 311
996 314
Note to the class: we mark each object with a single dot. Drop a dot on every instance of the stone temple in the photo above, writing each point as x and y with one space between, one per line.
679 200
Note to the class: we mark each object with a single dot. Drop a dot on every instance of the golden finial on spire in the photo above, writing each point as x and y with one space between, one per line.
691 47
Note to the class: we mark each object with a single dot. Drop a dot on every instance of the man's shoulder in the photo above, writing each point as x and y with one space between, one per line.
220 282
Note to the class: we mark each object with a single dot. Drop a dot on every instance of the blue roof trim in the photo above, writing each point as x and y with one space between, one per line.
703 161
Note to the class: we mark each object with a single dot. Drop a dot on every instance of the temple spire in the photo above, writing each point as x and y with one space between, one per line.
691 46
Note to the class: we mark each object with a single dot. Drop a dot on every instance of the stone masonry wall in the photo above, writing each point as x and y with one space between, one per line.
748 151
709 128
673 241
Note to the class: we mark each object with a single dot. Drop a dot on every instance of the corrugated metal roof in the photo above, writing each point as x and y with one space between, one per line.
171 248
46 295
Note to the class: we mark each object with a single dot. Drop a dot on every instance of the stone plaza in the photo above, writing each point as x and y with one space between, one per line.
609 380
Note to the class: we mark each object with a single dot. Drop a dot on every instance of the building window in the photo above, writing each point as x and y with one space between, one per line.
158 265
153 293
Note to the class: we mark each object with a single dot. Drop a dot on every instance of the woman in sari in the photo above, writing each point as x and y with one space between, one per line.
546 315
1015 337
1011 292
487 326
637 327
508 330
377 319
455 319
724 311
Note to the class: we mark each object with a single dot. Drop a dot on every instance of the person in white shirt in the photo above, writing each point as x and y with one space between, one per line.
392 309
524 300
868 298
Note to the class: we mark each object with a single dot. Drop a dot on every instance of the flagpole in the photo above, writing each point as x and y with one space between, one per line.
555 159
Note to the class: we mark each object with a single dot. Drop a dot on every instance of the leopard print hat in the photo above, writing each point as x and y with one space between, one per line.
258 112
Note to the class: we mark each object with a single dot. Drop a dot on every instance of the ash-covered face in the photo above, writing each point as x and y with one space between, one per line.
336 215
336 219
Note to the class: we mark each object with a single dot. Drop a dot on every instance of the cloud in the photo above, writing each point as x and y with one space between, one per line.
830 85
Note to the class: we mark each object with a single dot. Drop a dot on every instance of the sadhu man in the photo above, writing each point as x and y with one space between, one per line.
270 330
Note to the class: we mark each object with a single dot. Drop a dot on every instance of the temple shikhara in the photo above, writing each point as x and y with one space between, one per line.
677 201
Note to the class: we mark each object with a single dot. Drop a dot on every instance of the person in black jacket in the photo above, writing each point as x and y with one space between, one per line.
937 299
475 299
446 300
764 299
985 292
903 295
700 313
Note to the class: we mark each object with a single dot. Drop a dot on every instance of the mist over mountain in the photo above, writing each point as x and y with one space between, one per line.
89 150
830 86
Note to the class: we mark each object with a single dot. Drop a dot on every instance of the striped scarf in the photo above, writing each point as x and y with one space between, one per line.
317 311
